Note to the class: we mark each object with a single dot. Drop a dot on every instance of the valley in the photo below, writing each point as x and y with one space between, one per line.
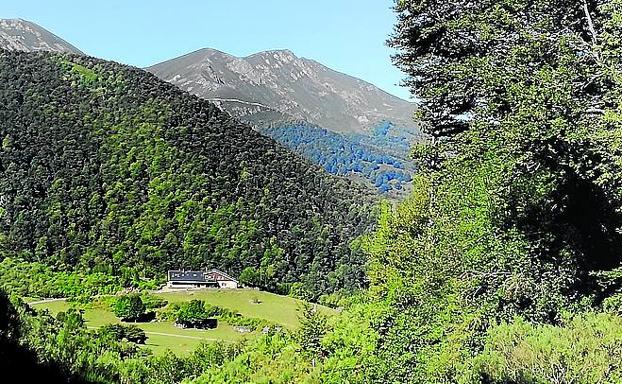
260 217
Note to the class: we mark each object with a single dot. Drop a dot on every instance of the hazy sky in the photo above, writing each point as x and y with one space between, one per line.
346 35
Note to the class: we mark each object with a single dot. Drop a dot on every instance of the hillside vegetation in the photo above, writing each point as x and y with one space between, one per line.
504 265
380 157
104 168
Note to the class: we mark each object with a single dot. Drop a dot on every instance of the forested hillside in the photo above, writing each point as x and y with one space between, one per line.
105 168
346 125
381 157
502 267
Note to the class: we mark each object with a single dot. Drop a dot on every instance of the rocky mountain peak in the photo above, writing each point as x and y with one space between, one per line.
299 88
23 35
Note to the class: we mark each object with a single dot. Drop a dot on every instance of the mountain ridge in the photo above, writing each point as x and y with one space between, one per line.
23 35
301 89
290 99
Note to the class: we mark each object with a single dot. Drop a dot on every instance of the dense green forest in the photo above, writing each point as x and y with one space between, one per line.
106 169
380 157
504 264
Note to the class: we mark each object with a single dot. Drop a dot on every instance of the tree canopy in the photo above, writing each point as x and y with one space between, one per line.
105 168
516 209
129 307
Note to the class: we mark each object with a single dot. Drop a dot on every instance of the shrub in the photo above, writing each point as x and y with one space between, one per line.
129 307
613 304
197 311
194 310
588 349
152 301
135 334
119 332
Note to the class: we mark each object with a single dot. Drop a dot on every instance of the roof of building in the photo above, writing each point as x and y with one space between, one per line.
194 276
214 270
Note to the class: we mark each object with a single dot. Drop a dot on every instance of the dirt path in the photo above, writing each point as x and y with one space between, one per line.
184 336
47 301
175 335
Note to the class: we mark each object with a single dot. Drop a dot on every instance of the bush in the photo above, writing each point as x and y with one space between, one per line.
234 318
588 349
129 307
120 332
135 335
152 301
613 304
197 311
196 314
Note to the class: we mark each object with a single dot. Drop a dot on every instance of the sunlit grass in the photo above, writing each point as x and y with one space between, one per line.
277 309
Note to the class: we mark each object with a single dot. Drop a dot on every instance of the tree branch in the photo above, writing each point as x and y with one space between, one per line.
590 23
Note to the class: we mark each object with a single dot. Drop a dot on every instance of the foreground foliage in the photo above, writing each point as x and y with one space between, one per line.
586 349
517 209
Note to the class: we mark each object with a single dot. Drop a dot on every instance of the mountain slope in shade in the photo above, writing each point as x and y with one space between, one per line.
287 87
22 35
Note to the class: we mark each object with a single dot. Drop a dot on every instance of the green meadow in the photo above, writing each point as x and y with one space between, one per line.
163 336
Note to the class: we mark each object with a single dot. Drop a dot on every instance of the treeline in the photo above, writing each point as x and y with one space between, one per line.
34 279
103 167
380 157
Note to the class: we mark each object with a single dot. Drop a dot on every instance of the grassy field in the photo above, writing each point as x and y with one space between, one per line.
281 310
278 309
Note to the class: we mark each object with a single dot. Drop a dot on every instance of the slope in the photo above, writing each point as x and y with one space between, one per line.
330 118
299 88
282 96
105 168
22 35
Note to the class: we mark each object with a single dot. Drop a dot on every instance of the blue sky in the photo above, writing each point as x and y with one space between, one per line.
346 35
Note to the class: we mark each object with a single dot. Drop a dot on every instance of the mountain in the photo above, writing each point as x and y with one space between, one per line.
348 126
22 35
296 88
105 168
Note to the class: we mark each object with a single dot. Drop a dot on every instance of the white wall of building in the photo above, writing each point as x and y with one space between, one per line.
227 284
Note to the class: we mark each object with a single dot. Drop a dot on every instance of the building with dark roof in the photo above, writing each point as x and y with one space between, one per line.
200 279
